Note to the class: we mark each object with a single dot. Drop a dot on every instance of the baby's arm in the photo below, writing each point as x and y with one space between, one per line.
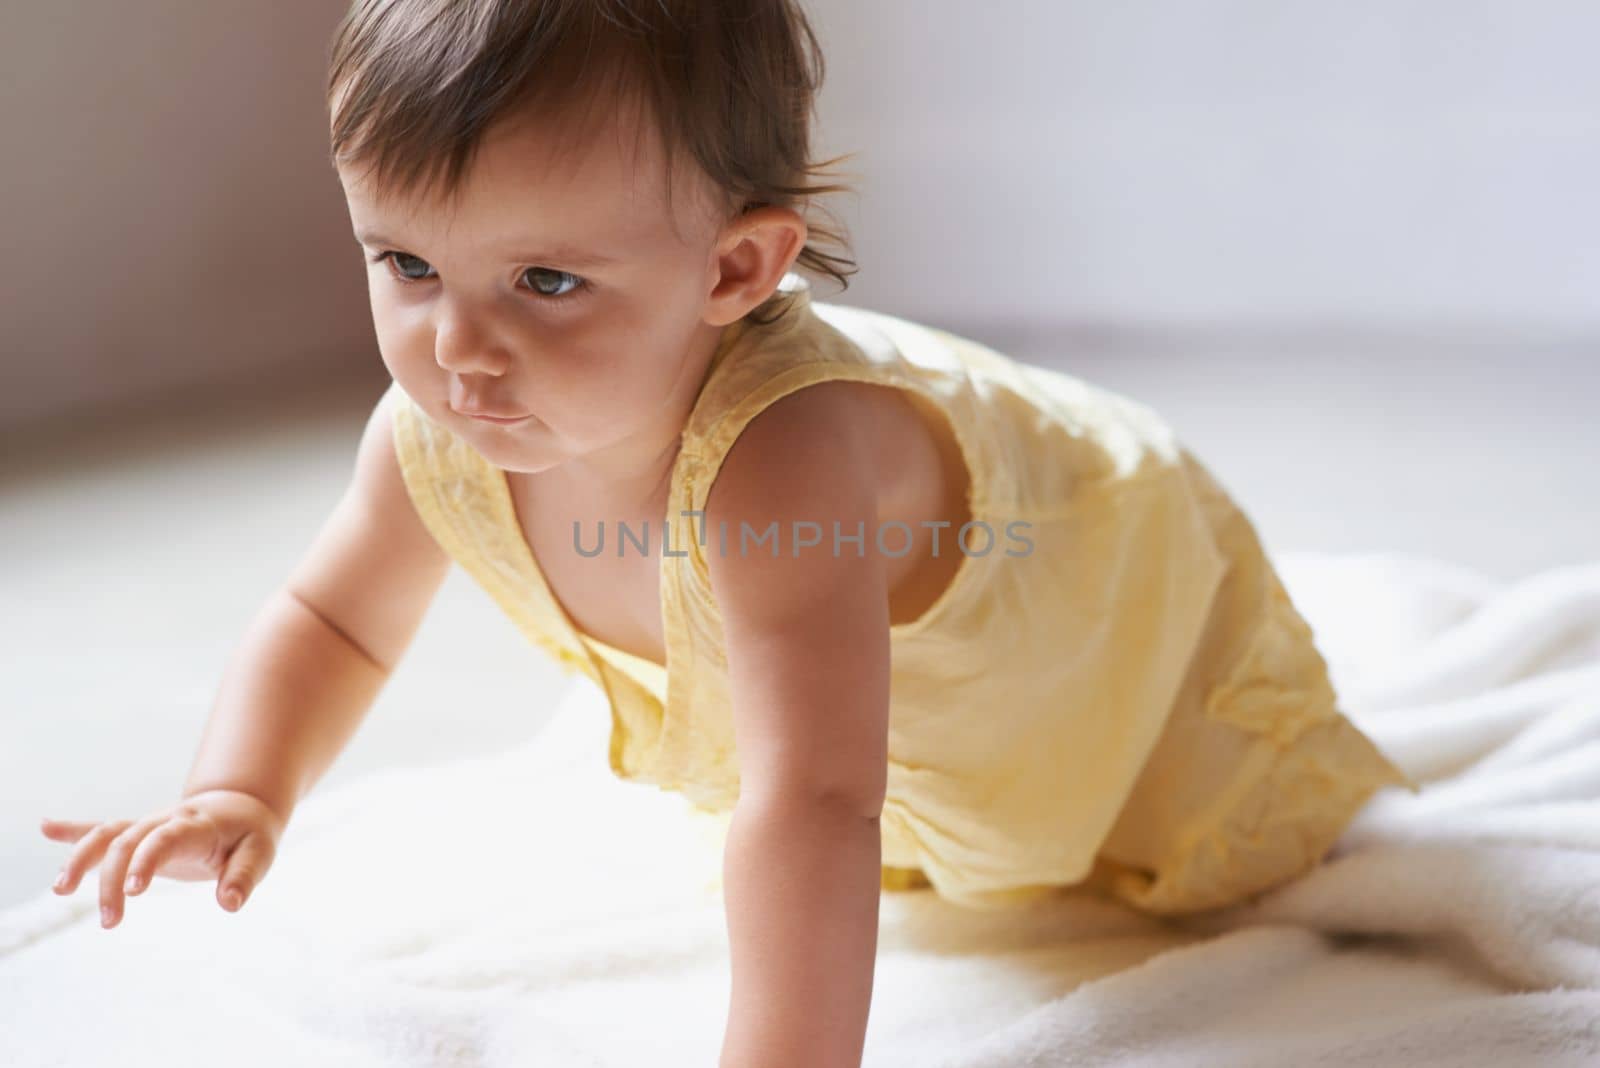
326 642
808 653
292 695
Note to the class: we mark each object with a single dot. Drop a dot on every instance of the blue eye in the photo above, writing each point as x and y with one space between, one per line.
552 285
557 278
395 259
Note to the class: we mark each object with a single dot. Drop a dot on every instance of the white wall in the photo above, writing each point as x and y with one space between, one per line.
1416 165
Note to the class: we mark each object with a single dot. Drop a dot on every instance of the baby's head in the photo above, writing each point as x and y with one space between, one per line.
563 202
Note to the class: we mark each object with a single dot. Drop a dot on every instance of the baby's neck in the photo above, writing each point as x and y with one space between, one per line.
620 485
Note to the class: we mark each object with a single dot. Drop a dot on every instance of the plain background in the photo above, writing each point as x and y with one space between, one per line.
1407 167
1347 250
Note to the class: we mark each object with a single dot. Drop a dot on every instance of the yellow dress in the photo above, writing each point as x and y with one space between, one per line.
1127 701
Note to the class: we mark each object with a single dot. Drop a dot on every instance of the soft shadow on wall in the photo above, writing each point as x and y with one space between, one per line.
172 223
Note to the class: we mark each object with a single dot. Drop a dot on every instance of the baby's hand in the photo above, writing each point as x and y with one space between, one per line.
216 833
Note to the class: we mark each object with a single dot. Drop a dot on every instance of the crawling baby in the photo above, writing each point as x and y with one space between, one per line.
910 615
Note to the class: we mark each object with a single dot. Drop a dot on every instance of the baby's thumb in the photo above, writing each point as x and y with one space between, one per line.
246 866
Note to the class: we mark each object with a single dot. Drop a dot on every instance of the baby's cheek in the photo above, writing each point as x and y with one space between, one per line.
605 409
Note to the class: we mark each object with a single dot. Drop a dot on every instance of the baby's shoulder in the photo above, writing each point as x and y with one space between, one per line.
891 429
789 445
852 452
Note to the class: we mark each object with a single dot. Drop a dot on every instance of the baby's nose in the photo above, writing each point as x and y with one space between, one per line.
465 344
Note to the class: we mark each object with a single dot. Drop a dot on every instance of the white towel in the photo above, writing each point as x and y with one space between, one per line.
528 909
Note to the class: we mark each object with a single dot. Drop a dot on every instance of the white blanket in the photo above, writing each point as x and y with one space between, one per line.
531 910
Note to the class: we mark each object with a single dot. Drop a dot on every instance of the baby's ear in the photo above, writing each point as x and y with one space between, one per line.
753 254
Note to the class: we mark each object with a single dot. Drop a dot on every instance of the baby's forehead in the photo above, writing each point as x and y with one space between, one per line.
612 168
597 235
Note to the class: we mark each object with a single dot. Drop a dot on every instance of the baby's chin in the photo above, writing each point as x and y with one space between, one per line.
526 448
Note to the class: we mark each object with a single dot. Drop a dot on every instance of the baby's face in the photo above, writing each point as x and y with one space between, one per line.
557 292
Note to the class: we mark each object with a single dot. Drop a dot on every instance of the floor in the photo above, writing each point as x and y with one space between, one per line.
137 550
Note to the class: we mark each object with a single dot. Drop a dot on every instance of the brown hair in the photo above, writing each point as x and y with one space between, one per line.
413 86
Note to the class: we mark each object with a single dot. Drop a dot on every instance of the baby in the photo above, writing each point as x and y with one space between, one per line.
905 613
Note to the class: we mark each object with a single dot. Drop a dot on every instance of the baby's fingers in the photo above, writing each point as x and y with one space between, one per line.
246 866
114 869
90 846
177 845
66 830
